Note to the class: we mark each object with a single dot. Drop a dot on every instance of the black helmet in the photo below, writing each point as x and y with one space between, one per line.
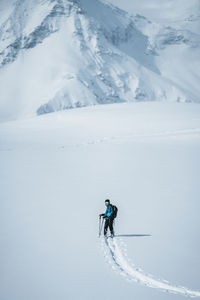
107 201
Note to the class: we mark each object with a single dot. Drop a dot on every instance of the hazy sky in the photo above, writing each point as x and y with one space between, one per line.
5 2
160 10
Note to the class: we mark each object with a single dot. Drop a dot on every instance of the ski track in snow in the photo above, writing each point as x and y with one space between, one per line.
141 137
115 254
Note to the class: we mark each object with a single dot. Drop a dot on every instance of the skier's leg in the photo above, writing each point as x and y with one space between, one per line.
106 226
111 226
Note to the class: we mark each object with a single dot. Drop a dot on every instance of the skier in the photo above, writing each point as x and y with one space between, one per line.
110 214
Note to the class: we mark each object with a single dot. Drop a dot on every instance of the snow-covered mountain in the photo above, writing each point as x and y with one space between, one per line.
59 54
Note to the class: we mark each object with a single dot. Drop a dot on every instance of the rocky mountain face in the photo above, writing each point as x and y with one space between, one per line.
60 54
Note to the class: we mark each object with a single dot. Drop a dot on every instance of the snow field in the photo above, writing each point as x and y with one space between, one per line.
57 170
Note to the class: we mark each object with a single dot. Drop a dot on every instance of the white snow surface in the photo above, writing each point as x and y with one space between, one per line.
57 54
133 273
56 171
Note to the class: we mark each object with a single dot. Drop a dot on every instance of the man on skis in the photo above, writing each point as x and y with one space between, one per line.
109 218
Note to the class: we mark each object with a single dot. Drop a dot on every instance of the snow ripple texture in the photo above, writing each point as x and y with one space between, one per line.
115 254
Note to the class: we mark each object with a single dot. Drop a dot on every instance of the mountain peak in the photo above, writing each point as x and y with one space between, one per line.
74 53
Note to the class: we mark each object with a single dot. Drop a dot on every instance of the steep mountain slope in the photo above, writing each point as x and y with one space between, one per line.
59 54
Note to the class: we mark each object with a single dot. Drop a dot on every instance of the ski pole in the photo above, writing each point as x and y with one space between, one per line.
100 225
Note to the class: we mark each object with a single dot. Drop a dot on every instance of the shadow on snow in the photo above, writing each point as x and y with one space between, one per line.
132 235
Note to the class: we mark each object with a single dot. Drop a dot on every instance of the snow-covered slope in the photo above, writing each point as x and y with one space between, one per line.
119 261
61 54
56 171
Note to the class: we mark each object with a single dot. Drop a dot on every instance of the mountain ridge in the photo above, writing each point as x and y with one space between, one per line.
95 53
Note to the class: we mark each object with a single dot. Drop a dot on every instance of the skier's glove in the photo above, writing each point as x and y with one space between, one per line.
101 215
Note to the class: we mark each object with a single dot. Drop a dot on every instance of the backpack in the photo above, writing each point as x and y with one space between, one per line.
115 210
